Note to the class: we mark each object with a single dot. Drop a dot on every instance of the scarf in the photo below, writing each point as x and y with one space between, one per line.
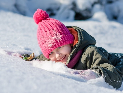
75 59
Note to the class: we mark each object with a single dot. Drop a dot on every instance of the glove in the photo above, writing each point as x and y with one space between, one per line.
28 57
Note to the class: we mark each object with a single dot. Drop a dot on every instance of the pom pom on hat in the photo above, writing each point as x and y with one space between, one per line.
40 15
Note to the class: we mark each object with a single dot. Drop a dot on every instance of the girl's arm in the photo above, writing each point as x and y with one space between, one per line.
30 57
41 58
98 61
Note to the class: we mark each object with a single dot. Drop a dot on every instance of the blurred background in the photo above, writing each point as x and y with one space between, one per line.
67 9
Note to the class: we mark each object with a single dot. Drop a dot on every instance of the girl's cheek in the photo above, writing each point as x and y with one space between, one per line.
51 58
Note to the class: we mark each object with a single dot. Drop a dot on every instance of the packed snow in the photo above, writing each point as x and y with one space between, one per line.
18 36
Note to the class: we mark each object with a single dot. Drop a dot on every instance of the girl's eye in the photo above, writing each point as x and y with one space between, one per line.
59 47
51 53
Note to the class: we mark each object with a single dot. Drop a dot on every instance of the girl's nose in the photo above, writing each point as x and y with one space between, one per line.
57 55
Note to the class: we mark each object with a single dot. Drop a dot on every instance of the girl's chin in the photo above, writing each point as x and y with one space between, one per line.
64 61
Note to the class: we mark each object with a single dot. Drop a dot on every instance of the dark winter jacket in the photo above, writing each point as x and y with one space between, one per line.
96 58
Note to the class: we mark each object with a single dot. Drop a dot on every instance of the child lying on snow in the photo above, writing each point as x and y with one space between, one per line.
74 47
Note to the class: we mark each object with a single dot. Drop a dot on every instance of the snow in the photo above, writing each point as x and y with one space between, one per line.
18 36
114 10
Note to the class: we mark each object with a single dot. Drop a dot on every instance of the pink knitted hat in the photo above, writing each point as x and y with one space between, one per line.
51 33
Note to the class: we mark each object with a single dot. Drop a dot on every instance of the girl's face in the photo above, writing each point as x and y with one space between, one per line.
60 54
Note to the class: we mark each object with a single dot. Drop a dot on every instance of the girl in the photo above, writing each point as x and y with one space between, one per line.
74 47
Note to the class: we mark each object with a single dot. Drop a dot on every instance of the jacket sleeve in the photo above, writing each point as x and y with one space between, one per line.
41 58
98 61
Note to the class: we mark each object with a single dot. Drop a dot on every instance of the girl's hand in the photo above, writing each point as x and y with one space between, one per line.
28 57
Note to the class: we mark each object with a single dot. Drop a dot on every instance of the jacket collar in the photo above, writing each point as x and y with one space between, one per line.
81 40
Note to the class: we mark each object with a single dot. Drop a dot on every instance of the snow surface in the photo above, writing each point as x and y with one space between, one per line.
18 36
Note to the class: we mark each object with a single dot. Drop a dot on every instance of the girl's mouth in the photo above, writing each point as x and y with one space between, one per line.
62 58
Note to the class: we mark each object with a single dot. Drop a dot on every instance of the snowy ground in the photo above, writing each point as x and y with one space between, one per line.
18 36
